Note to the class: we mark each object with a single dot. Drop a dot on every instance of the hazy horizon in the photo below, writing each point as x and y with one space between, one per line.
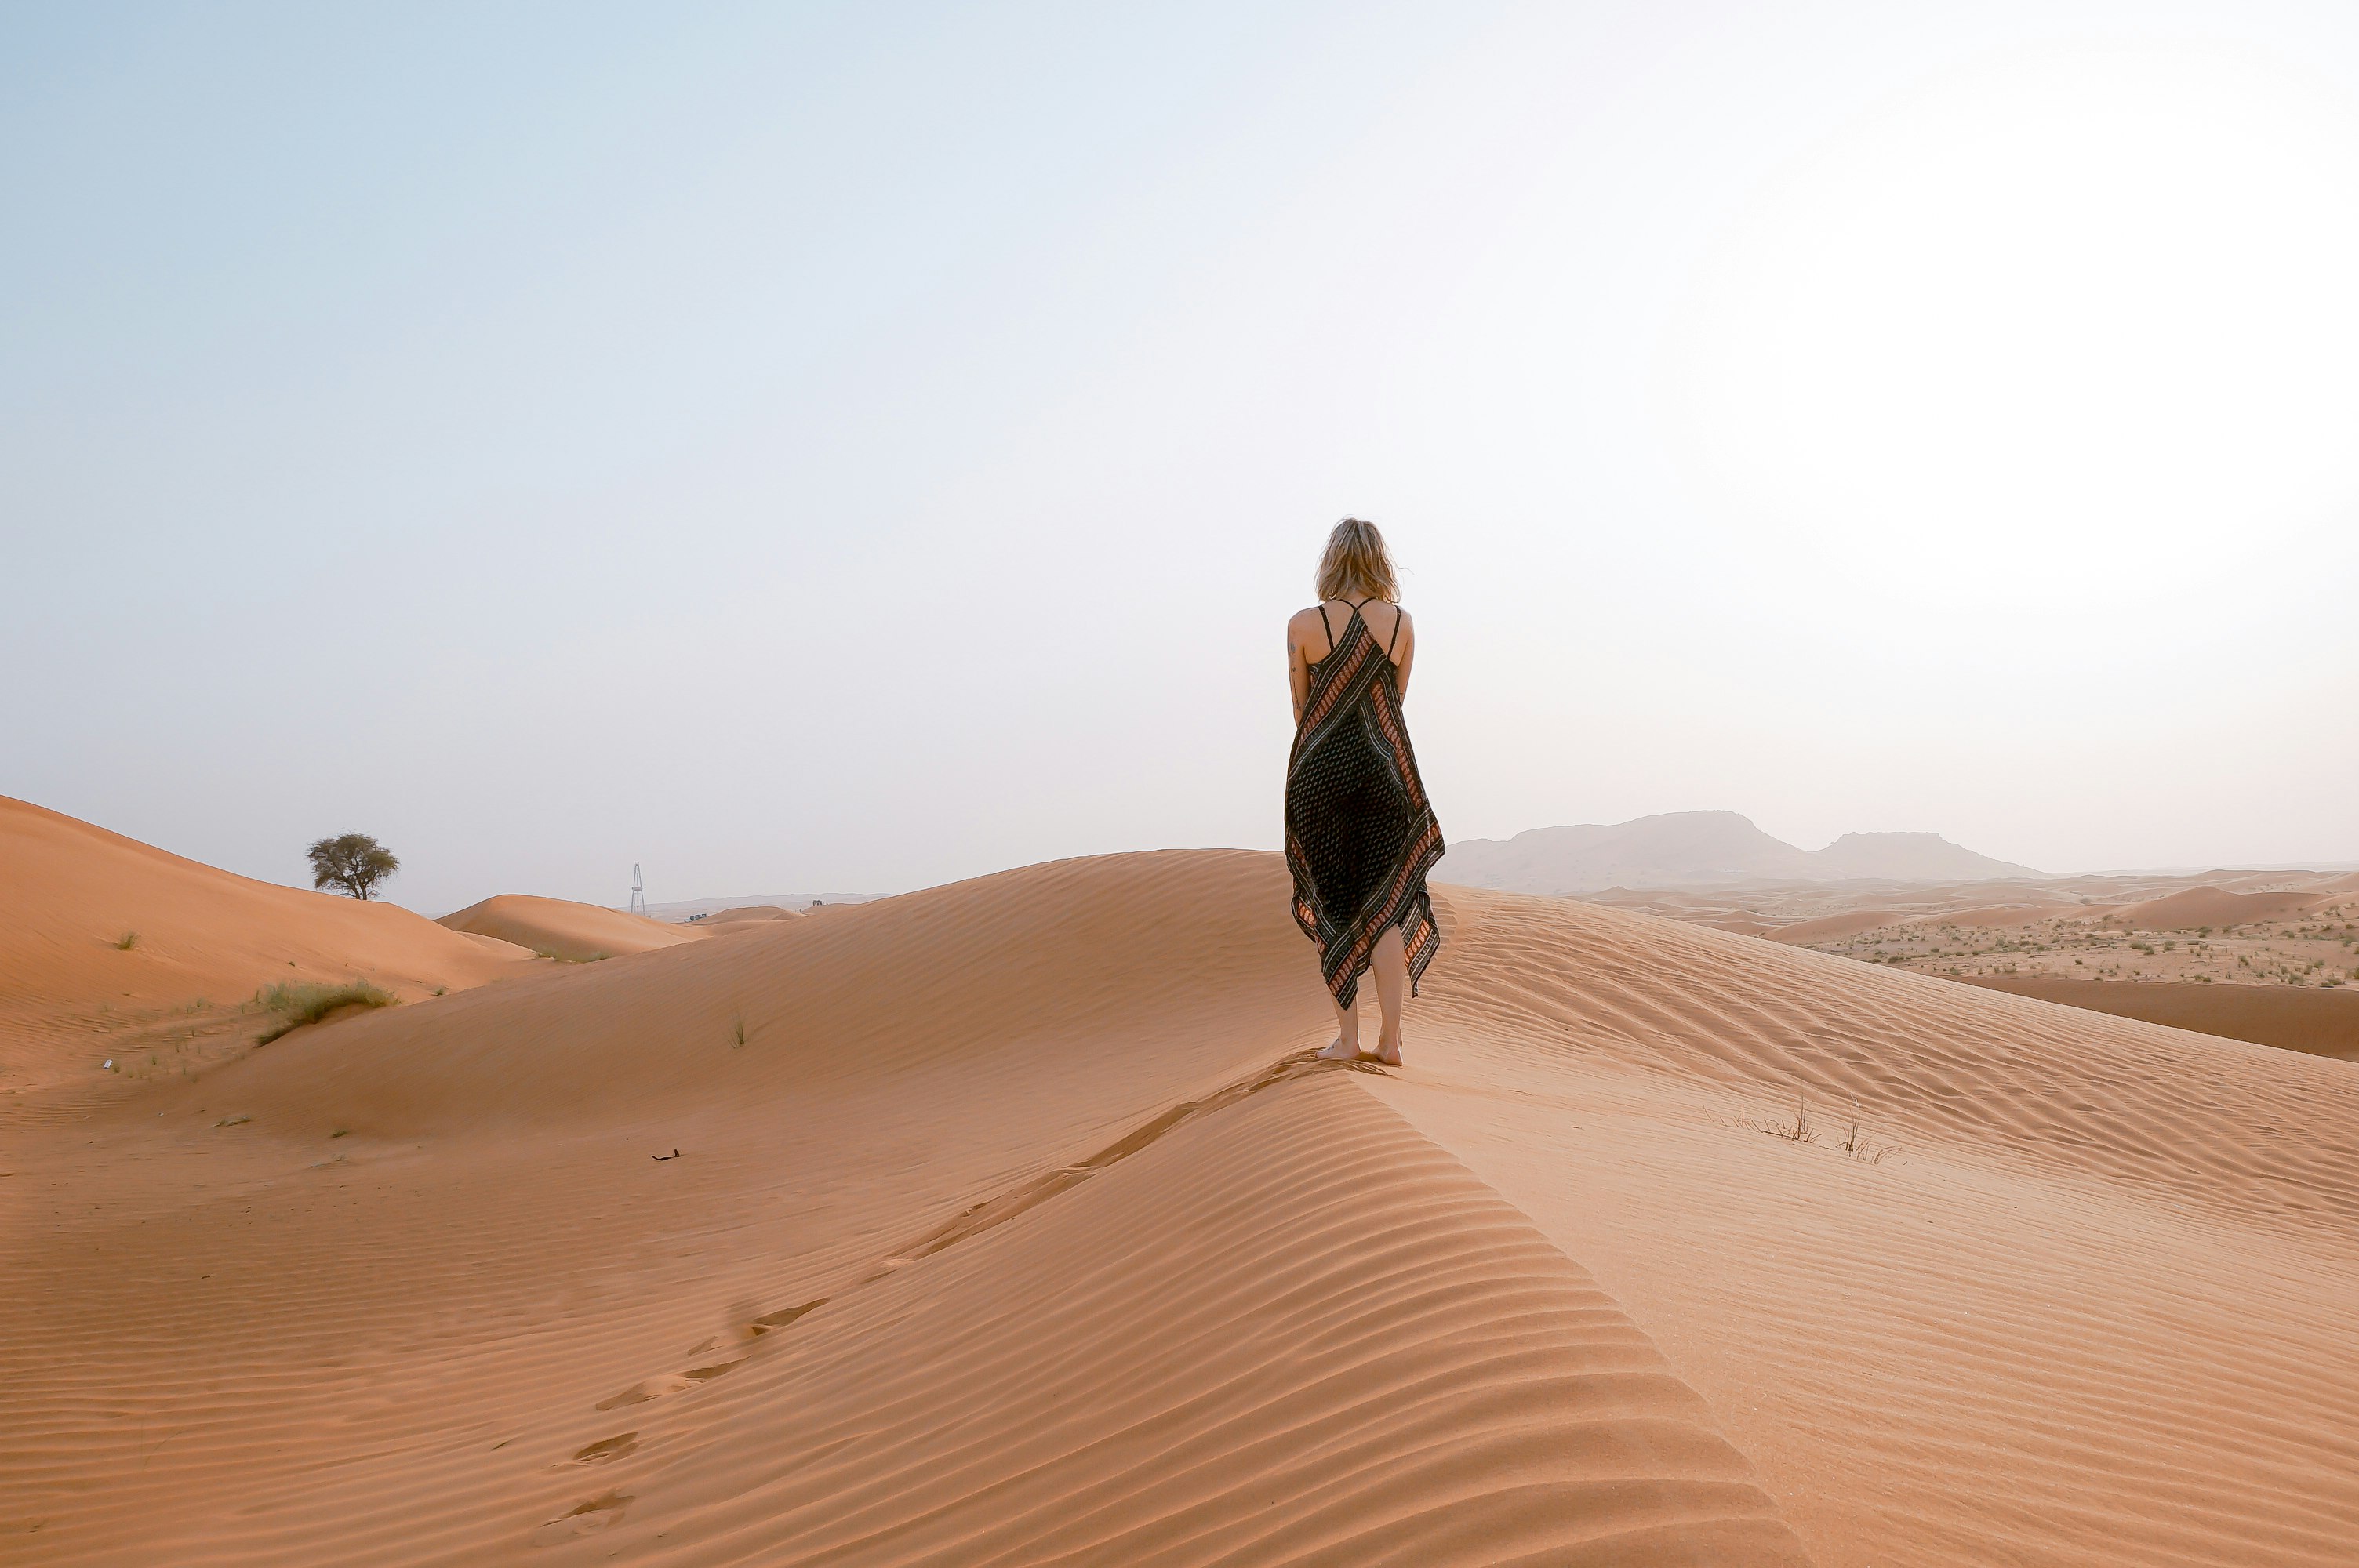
828 448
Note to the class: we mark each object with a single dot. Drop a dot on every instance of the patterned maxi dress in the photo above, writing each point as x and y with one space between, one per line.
1360 835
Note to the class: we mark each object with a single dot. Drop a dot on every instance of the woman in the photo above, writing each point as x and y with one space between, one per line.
1359 834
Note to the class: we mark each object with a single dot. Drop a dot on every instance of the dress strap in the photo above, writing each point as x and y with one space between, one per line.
1329 627
1395 636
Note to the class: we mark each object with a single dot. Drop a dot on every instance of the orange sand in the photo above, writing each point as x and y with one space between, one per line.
745 913
578 933
1008 1227
2214 907
2323 1022
206 940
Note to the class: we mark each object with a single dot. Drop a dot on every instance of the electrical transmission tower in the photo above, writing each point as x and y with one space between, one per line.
638 892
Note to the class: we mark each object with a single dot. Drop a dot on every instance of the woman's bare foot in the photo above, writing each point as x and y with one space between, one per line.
1338 1051
1388 1054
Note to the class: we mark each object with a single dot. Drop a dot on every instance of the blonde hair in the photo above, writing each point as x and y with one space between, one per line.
1357 565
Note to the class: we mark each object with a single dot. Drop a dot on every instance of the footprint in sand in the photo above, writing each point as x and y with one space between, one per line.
670 1383
783 1316
588 1519
640 1393
607 1448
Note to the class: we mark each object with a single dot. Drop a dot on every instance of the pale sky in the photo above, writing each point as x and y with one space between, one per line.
851 446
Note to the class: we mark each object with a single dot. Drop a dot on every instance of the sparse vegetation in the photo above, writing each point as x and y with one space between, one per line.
1852 1140
1856 1146
298 1003
352 862
1799 1130
127 941
740 1029
2292 952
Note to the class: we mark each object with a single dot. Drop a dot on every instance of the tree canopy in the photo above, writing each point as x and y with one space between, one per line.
353 862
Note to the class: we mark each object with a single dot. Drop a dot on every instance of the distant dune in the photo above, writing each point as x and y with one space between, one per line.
577 932
793 903
2321 1023
1008 1222
1700 848
1826 927
109 947
2214 907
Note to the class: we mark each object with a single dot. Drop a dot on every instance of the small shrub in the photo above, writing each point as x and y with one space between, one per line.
298 1003
127 941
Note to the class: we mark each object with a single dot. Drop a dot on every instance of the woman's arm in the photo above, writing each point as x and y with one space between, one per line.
1298 669
1407 656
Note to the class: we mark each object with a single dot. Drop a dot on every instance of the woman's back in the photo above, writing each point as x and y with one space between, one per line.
1387 622
1360 835
1314 634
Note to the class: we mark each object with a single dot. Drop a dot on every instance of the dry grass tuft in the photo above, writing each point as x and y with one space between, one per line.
298 1002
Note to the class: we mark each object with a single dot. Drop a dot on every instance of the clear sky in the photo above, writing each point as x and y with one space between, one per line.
853 447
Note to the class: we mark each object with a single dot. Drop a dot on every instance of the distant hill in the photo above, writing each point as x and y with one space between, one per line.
1684 848
792 903
1907 857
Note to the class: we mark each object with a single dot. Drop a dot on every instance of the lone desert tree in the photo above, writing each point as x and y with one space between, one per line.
352 862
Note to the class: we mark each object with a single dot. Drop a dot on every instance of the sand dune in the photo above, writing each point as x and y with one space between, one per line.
1814 913
1827 927
751 914
1997 915
2321 1023
2212 906
199 942
558 929
494 944
1008 1226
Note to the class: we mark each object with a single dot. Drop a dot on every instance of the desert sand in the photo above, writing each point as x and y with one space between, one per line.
2323 1022
748 914
560 928
2215 952
1008 1225
111 948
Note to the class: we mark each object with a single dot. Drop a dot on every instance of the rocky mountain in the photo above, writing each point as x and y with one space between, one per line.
1684 848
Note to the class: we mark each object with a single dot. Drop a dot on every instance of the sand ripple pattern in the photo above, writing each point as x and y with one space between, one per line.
994 1237
2246 1129
1290 1332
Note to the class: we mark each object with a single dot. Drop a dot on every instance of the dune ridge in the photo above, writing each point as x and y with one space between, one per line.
2321 1023
110 948
749 913
2202 906
2082 1313
560 928
1003 1223
1428 1384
